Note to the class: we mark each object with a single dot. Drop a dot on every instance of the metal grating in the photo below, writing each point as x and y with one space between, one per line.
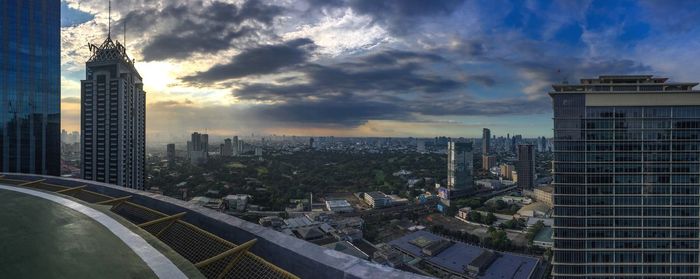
135 213
182 237
198 246
88 196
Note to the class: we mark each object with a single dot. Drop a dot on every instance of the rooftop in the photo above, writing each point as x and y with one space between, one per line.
625 83
457 257
77 228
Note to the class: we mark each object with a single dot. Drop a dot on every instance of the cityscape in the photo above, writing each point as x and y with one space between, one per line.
349 139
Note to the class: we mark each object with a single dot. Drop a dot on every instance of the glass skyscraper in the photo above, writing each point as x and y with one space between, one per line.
626 178
30 86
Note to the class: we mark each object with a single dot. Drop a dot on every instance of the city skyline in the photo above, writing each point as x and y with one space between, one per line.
338 68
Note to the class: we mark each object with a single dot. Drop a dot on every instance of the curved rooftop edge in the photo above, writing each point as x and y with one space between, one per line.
303 259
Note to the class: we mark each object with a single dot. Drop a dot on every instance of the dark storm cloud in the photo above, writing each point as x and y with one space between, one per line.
395 72
195 27
341 111
398 15
255 61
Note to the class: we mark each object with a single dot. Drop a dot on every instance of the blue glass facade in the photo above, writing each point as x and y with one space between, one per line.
626 181
30 86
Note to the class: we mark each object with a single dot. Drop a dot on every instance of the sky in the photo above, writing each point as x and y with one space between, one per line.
420 68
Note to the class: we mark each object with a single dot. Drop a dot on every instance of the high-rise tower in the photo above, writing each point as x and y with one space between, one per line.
30 93
525 166
460 166
486 142
113 114
626 178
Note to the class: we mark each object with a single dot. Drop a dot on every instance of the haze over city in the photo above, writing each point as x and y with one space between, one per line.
371 68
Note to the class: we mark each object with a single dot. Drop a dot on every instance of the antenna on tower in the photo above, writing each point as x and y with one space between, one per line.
109 23
124 33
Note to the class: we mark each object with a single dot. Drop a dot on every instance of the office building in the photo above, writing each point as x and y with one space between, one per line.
488 162
626 187
311 143
526 166
113 118
460 166
486 142
198 148
30 90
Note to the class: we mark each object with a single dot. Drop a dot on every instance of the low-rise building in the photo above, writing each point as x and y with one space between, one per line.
514 199
543 238
396 200
544 194
537 209
237 202
494 184
448 259
377 199
339 206
463 212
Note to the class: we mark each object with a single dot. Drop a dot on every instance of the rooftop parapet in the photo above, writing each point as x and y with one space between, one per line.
218 237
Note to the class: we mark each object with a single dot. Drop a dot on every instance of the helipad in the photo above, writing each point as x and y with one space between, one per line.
43 235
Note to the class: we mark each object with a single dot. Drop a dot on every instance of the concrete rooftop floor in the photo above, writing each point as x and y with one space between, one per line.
40 238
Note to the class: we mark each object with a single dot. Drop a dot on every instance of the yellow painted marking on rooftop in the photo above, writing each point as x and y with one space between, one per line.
31 182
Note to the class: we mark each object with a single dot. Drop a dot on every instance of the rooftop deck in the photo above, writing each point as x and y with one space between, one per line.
216 244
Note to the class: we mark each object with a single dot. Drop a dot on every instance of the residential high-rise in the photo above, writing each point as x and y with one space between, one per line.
113 118
30 87
626 178
198 148
460 166
486 142
236 146
525 166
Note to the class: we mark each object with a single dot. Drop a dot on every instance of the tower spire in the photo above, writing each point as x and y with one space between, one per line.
109 24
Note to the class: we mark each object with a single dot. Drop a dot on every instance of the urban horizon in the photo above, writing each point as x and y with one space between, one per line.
282 69
367 139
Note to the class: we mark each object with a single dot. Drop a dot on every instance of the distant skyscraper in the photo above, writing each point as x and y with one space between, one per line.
198 148
170 152
227 148
420 146
626 178
236 146
113 113
486 142
311 143
30 92
526 166
460 166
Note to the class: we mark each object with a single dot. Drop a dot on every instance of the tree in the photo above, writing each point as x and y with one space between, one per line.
474 217
490 218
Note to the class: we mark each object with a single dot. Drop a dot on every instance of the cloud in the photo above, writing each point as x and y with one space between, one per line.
197 27
264 59
376 75
397 16
70 100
